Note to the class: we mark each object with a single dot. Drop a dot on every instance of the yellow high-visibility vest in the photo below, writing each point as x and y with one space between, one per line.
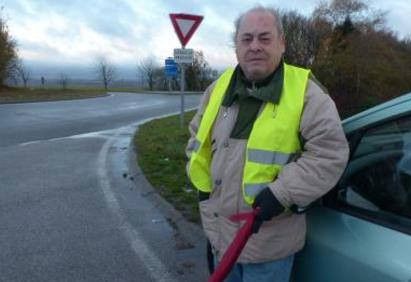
273 141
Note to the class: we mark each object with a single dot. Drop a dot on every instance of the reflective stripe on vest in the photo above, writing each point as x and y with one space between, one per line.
254 189
268 157
273 140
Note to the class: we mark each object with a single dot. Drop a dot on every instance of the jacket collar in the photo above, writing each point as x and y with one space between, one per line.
268 90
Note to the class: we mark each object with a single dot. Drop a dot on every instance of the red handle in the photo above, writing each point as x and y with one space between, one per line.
236 246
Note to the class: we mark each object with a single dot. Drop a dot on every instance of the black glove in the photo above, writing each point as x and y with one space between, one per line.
269 207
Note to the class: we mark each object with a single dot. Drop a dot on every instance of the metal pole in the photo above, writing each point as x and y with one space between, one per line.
182 95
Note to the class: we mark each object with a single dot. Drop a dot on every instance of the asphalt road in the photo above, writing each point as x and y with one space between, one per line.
71 206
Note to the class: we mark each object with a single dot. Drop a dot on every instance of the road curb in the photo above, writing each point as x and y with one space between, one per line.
190 231
189 241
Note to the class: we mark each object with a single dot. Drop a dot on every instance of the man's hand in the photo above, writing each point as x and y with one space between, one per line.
269 207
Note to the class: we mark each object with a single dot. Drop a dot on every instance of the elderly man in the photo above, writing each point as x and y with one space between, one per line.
265 135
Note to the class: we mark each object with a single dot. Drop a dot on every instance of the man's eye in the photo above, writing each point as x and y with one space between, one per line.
265 39
246 40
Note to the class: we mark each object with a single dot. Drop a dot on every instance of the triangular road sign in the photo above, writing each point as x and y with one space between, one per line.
185 25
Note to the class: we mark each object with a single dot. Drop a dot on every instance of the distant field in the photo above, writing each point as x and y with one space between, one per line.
50 94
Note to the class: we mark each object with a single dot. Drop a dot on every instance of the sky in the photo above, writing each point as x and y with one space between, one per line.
74 33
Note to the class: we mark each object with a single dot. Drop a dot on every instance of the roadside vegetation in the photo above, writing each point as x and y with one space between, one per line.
10 95
13 95
350 49
161 155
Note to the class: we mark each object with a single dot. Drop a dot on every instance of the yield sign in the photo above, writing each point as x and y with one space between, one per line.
185 25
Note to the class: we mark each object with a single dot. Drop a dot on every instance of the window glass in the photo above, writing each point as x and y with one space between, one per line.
378 177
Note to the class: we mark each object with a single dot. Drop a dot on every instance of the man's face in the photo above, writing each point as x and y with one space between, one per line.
259 47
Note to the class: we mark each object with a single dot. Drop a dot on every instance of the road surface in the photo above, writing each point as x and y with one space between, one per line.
70 207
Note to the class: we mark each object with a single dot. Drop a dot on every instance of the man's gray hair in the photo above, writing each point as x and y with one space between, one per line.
274 12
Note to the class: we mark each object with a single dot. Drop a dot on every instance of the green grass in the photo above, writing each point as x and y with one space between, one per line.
47 94
9 94
161 155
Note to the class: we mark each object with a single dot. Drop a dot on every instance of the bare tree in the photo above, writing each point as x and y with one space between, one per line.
22 72
63 81
105 71
301 38
11 71
358 11
199 75
147 67
160 78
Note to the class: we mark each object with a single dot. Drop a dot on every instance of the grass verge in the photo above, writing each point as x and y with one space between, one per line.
160 146
49 94
12 95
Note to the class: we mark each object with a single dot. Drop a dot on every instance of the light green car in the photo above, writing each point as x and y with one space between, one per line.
361 230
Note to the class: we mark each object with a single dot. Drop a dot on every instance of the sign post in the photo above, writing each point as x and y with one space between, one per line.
184 25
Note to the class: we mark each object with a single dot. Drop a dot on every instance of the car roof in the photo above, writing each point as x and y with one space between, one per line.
395 107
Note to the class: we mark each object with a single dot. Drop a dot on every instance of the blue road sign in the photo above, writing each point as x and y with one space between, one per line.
170 61
170 68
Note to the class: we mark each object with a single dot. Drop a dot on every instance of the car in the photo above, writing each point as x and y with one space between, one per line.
361 229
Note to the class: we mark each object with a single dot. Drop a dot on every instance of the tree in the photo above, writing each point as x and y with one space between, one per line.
147 68
12 74
8 53
22 72
359 60
63 81
301 39
42 81
337 11
160 78
199 75
105 71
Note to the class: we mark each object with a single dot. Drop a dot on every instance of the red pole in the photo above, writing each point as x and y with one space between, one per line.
234 250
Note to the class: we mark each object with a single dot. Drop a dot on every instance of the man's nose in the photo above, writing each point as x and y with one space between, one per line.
255 45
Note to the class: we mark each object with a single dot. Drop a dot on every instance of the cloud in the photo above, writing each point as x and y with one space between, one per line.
126 31
397 16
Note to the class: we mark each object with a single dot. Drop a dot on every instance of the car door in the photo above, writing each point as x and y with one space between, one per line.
362 231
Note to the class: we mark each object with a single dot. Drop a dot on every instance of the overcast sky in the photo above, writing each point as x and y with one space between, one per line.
77 31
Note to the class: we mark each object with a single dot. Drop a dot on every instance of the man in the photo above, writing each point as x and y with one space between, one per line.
265 135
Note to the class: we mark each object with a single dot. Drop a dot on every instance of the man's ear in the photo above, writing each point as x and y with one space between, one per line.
282 43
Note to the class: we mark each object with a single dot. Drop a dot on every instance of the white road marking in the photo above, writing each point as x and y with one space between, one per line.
153 264
156 268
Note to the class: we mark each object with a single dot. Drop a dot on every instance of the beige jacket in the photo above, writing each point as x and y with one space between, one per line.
316 171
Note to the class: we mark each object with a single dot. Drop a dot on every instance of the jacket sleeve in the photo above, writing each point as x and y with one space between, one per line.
324 154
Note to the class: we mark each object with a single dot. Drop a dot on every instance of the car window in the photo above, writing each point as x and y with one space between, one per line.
378 176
